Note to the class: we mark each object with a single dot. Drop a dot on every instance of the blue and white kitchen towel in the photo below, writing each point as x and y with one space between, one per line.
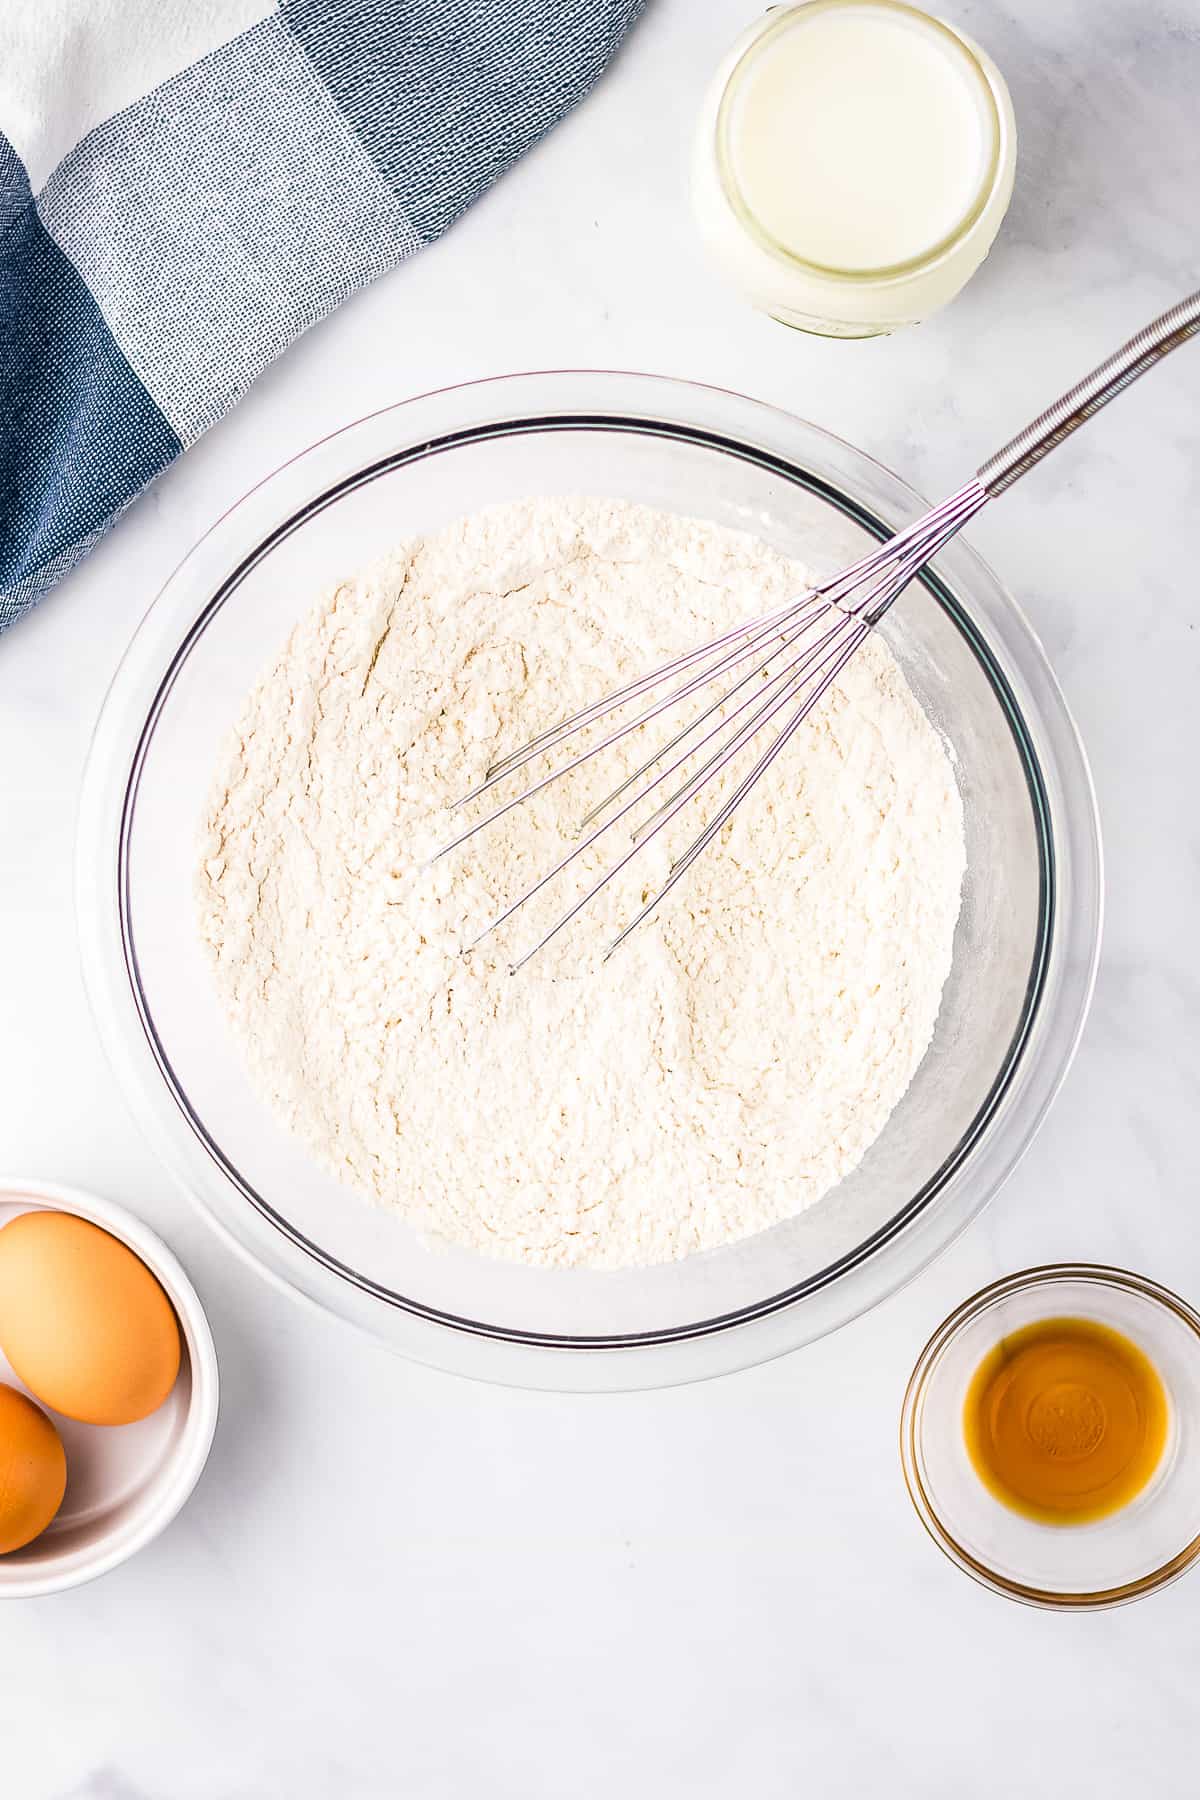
186 185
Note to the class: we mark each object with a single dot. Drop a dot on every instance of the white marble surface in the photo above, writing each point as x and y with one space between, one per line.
392 1582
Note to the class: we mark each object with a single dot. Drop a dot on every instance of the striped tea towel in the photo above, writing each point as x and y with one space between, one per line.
186 185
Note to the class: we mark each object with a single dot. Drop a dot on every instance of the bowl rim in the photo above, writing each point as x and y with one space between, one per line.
189 1455
312 480
1022 1281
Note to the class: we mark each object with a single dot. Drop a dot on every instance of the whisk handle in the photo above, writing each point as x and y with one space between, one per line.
1157 340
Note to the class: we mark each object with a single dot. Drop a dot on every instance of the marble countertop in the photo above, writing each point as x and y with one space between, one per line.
394 1582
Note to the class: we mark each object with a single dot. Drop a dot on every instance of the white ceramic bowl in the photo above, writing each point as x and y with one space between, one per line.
124 1482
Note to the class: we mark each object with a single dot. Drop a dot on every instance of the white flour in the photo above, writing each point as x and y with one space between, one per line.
740 1053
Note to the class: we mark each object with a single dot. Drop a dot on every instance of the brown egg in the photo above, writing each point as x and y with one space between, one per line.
83 1322
33 1470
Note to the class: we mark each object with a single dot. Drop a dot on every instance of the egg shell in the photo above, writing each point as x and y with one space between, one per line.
33 1470
84 1323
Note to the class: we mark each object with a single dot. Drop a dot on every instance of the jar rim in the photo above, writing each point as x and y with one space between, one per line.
746 215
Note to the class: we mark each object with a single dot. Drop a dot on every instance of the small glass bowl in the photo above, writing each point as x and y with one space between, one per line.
1074 1568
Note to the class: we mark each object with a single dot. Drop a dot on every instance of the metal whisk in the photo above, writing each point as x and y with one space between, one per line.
785 660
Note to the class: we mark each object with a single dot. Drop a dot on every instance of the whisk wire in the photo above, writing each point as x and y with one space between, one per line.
847 608
717 824
908 550
887 571
580 848
786 682
722 700
730 660
676 804
753 629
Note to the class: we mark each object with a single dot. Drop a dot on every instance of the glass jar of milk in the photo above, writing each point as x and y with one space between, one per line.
853 163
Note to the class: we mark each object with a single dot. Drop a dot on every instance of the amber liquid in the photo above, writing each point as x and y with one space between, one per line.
1065 1421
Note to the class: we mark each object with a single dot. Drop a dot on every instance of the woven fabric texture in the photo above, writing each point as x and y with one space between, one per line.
154 262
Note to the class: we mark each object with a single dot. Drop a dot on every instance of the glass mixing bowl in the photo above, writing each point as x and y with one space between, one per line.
1025 951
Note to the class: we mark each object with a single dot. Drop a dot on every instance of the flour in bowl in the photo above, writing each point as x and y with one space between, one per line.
740 1053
